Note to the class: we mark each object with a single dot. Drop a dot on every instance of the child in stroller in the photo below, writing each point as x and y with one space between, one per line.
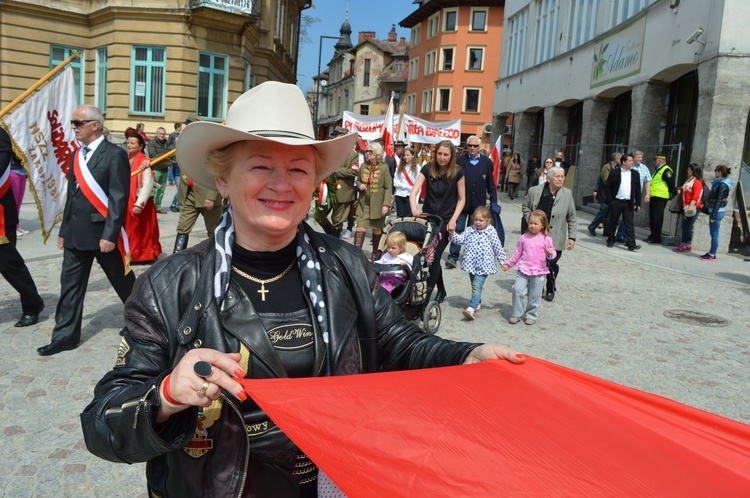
421 235
395 254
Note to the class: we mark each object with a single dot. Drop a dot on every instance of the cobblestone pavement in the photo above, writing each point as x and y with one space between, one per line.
611 318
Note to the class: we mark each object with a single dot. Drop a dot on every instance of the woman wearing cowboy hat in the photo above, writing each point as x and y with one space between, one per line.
266 297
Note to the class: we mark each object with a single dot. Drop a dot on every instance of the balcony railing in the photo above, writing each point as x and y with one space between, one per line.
246 7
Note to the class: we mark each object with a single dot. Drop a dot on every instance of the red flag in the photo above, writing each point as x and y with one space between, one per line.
497 429
497 157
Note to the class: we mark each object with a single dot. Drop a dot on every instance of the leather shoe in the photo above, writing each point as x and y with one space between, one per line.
592 232
610 244
440 297
55 347
634 248
549 297
27 320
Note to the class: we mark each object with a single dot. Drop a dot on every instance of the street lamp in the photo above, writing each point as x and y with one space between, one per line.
317 87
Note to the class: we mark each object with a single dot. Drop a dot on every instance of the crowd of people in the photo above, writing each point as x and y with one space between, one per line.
263 268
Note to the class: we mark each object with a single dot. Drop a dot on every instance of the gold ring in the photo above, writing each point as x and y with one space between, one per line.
203 389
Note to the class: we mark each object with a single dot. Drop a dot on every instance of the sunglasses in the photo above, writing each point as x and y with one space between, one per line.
472 145
78 122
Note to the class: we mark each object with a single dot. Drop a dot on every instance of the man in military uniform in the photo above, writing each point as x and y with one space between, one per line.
345 195
662 184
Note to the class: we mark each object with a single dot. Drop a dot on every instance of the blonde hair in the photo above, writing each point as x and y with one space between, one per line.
483 211
543 218
398 239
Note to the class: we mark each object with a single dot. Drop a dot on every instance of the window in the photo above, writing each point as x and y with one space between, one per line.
59 54
100 83
444 99
147 80
416 34
517 42
429 62
546 29
432 25
366 75
582 22
446 58
411 103
364 110
478 19
427 96
472 99
212 85
414 69
249 80
475 59
398 66
622 10
280 19
450 18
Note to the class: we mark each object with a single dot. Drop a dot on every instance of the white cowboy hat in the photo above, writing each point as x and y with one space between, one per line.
270 112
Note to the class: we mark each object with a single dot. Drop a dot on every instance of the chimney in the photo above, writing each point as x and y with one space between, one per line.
366 35
402 42
392 33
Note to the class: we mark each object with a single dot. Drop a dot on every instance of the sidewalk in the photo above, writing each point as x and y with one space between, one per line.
658 321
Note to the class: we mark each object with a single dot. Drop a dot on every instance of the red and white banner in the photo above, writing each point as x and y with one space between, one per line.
419 130
387 133
498 429
41 133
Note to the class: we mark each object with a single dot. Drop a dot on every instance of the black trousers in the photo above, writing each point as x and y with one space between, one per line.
15 271
74 279
656 217
616 208
554 271
436 268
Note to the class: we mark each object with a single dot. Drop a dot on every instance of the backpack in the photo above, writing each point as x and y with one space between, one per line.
704 199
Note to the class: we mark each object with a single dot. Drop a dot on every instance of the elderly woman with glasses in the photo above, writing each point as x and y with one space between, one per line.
266 297
375 195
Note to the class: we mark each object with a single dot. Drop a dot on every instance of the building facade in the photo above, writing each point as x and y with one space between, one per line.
595 76
152 63
361 78
454 59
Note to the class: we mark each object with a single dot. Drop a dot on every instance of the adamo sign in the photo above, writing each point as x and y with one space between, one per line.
618 55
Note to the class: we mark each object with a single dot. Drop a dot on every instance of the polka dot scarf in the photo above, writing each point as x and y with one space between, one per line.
309 269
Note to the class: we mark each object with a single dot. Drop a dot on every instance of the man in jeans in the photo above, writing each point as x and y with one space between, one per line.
479 183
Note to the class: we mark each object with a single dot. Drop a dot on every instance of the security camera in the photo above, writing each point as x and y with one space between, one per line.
694 37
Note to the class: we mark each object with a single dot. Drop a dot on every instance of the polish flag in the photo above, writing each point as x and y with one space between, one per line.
497 156
387 131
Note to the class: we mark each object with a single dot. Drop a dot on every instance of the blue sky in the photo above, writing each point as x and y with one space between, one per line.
364 15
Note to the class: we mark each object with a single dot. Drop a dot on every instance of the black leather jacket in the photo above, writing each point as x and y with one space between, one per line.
717 199
172 310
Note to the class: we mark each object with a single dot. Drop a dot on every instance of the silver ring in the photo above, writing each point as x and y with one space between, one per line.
203 389
203 369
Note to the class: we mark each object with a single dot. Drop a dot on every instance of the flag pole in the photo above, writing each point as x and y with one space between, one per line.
155 161
75 54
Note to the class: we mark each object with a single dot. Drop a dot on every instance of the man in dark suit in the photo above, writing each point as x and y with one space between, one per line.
12 265
479 184
89 232
623 193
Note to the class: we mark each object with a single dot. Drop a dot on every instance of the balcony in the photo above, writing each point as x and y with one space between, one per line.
242 7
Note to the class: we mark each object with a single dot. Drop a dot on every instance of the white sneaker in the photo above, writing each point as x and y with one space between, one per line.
20 231
469 313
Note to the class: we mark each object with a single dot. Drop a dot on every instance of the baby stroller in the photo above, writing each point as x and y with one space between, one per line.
422 236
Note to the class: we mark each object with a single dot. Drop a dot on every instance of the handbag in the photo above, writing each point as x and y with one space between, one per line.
675 204
690 211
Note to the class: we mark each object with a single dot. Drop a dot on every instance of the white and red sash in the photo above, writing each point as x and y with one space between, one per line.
4 187
96 196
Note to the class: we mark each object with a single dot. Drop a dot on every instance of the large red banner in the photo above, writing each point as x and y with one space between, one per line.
497 429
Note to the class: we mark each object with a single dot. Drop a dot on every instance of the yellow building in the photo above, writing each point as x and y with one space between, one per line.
152 62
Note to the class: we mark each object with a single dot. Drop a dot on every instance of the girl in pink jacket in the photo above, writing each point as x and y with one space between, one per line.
533 250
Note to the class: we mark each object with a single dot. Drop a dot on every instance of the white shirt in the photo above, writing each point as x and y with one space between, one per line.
623 193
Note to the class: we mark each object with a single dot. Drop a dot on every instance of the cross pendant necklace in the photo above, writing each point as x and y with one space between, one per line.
262 291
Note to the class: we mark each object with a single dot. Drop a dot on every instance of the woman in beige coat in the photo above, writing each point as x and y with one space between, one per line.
514 174
375 195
